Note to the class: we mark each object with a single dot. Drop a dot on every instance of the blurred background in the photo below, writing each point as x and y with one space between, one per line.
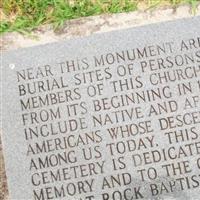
25 15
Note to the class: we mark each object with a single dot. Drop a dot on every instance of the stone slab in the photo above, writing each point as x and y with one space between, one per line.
84 27
96 85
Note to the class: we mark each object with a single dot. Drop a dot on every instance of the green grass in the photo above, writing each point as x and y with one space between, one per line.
26 15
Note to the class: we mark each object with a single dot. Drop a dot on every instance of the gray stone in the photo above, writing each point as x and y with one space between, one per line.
86 84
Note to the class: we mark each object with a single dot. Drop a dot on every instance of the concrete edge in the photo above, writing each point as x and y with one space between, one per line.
94 24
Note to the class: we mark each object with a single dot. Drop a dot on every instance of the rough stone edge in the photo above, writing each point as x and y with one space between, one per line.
95 24
85 27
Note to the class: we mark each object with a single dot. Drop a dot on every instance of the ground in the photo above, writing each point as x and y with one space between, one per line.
26 15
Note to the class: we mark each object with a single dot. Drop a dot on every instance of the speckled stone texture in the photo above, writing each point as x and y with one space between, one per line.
84 27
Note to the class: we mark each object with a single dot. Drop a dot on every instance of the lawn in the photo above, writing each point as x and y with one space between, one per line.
25 15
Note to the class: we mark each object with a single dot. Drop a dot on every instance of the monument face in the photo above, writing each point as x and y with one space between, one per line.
114 116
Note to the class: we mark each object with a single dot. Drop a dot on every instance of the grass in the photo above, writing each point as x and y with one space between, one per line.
26 15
